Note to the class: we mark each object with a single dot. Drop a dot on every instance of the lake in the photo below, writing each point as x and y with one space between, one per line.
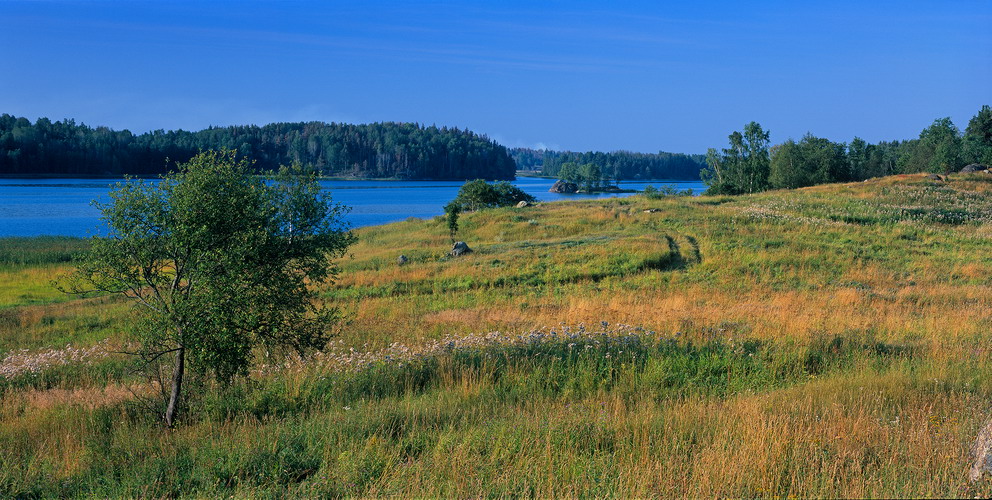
33 207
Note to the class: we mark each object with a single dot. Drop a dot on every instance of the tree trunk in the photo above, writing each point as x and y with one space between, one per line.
177 383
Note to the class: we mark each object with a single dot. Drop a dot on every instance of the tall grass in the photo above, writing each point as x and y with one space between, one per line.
635 415
825 342
28 266
22 251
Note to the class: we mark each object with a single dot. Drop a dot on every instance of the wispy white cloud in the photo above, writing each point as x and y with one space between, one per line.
440 49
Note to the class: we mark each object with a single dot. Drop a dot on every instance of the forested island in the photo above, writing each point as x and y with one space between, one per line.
615 165
372 151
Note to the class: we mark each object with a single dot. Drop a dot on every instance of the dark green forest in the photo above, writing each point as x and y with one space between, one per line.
750 164
413 151
616 165
377 150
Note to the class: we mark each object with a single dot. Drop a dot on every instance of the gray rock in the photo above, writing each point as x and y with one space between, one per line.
981 452
974 167
402 260
459 248
564 187
522 204
936 177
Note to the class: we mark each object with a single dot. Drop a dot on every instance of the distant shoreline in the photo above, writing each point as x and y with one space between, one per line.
323 178
155 176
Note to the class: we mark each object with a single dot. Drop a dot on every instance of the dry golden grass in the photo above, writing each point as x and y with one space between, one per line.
897 267
87 397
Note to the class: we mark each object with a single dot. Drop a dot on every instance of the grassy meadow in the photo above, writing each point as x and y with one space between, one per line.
832 341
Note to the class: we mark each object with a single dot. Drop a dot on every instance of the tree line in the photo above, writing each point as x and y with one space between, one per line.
750 164
616 165
376 150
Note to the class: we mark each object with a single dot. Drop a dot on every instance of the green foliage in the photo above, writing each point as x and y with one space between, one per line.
618 164
219 261
527 159
588 176
741 168
788 170
747 167
451 211
569 172
591 176
811 161
479 194
939 149
664 191
977 143
866 161
377 150
40 250
980 125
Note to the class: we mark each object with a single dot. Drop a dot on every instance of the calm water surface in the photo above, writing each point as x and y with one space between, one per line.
32 207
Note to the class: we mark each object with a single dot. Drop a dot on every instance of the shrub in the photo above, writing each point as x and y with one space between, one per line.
479 194
654 193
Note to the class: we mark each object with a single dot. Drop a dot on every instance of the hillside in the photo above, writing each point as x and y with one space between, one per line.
369 151
830 341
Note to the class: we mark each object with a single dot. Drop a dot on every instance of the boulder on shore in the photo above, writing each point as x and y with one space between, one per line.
974 167
564 187
459 248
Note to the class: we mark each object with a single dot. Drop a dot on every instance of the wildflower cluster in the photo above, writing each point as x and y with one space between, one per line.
766 213
337 358
909 204
25 361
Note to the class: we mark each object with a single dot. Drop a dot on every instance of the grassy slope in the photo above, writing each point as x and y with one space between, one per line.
830 341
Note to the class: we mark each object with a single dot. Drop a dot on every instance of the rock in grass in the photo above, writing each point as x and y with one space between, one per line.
981 451
936 177
459 248
401 260
974 167
522 204
564 187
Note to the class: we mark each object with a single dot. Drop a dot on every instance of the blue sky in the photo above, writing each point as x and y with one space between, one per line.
569 75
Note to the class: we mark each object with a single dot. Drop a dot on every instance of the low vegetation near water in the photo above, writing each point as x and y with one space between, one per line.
828 341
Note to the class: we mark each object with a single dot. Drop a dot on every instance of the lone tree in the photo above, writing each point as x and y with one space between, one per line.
451 211
219 261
